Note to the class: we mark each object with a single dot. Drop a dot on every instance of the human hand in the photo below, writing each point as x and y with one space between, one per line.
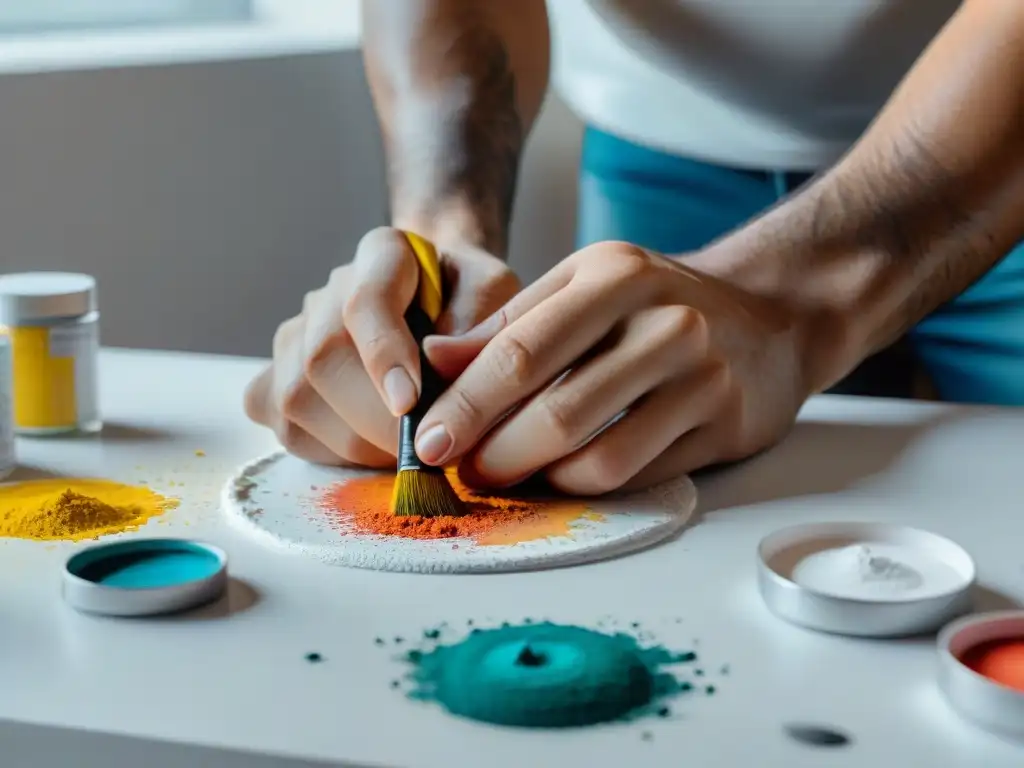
347 367
701 371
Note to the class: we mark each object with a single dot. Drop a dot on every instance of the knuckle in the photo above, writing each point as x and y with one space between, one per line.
339 275
615 263
627 260
376 352
309 301
683 323
290 436
378 235
323 352
633 261
254 400
294 400
719 377
363 299
351 448
465 406
494 294
285 334
599 472
512 361
371 243
500 319
560 419
608 469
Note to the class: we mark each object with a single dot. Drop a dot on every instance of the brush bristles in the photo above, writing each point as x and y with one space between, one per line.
425 494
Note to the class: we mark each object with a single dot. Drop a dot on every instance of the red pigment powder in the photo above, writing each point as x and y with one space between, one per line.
363 505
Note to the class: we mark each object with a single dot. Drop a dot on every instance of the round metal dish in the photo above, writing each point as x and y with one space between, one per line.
780 553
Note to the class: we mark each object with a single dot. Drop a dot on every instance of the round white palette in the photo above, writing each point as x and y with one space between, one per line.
276 499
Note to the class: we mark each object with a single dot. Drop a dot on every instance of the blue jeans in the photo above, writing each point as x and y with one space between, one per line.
972 348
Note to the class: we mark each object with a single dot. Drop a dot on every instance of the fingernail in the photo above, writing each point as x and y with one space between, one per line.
399 390
434 445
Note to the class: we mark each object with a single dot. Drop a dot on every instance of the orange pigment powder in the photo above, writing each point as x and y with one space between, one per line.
999 660
363 505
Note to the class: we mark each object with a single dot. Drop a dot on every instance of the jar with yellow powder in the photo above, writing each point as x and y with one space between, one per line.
51 321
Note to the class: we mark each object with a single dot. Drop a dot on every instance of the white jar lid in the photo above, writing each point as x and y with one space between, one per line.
29 296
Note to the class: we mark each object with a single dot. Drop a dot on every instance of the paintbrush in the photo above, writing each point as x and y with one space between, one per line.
421 489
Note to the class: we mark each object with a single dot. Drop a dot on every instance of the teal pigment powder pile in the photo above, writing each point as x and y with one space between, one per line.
547 675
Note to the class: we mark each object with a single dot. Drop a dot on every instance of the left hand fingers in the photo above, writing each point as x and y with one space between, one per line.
656 344
655 441
477 285
697 449
479 290
450 355
531 351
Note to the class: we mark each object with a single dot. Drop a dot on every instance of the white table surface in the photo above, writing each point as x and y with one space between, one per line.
234 675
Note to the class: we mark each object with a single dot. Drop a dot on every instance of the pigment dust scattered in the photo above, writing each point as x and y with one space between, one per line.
547 675
76 509
362 505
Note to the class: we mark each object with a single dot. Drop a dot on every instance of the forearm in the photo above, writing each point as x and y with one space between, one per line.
456 85
925 203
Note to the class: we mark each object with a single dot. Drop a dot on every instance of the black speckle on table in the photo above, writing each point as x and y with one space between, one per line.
817 735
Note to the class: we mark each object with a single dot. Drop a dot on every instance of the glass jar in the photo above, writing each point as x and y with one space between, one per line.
51 321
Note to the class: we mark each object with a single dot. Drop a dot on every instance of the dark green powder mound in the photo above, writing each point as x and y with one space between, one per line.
546 675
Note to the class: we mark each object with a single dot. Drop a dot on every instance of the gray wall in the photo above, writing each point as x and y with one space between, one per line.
207 198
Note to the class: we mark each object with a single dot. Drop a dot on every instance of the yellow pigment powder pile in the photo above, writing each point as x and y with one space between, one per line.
73 509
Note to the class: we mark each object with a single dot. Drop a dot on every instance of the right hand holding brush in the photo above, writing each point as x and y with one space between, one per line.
347 367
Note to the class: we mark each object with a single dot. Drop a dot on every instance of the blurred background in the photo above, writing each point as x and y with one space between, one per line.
209 161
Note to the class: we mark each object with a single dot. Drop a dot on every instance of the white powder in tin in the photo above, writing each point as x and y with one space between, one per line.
883 572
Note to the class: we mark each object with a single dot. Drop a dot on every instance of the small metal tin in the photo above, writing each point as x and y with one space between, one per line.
145 577
984 702
884 597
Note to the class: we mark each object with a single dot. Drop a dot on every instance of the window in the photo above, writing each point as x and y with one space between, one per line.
28 16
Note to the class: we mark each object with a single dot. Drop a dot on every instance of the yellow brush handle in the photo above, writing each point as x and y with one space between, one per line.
430 292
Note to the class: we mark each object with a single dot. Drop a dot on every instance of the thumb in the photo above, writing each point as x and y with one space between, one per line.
386 276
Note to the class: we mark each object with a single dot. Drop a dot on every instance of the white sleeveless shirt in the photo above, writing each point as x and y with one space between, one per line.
765 84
